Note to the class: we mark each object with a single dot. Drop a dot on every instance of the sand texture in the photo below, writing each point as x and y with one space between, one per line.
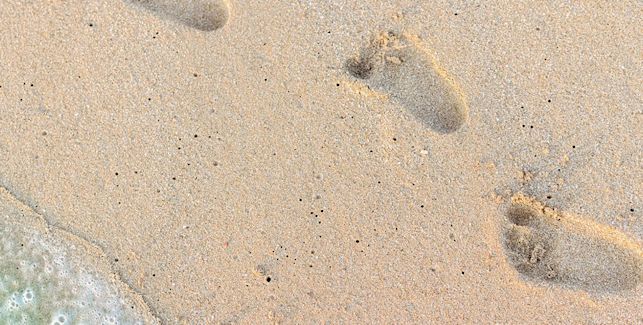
339 162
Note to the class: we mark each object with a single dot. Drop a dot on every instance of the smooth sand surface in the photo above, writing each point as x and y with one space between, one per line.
341 161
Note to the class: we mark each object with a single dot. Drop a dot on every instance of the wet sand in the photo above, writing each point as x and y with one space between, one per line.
351 162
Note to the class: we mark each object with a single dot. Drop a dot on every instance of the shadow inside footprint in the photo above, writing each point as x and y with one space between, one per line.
204 15
397 65
545 245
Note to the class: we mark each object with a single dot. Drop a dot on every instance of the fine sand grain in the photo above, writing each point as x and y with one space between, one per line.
377 162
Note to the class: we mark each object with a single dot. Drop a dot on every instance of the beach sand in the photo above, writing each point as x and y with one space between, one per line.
250 162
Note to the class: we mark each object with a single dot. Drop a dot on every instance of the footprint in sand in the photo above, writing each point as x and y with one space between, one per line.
547 246
205 15
398 65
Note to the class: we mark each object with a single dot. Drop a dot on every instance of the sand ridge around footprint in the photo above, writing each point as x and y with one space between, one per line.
397 64
548 246
204 15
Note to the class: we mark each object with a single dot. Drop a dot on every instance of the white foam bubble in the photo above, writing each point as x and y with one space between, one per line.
27 296
59 319
41 282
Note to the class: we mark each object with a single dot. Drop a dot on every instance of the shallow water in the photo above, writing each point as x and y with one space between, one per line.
42 282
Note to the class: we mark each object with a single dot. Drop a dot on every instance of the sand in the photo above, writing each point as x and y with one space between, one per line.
332 161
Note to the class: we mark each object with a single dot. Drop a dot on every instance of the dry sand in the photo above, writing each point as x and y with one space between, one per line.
327 161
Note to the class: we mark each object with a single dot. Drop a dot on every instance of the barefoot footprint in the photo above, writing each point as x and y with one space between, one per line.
205 15
397 65
547 246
